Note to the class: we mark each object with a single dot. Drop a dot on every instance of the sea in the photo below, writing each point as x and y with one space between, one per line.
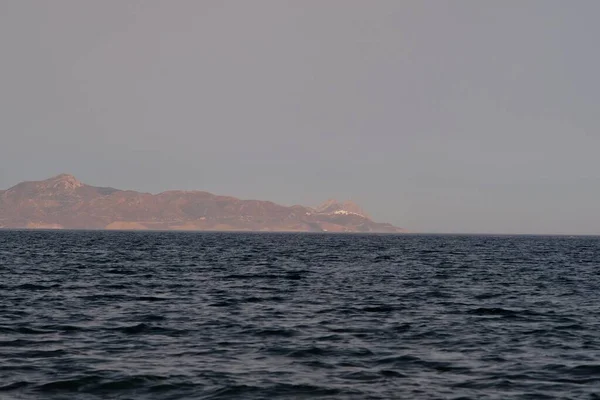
176 315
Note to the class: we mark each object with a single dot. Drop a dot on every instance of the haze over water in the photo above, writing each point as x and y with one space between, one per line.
151 315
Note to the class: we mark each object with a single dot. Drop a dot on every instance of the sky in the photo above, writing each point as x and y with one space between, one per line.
437 116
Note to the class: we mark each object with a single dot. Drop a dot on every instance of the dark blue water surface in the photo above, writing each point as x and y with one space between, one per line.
125 315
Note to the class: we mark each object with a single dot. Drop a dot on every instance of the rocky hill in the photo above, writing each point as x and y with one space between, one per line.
63 202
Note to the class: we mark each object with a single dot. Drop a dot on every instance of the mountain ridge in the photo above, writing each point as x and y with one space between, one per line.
64 202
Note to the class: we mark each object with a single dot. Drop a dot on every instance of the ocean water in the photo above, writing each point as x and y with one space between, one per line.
130 315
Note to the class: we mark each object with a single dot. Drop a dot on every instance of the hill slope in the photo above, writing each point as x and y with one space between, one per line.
63 202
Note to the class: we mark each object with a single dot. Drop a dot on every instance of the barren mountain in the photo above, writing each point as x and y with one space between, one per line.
63 202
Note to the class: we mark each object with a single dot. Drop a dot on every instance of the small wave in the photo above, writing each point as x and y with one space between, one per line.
256 299
150 298
167 387
63 328
17 343
487 383
401 328
442 366
275 332
135 329
363 376
405 360
570 327
398 360
24 330
315 364
116 286
105 296
230 391
14 386
33 286
382 258
120 271
495 358
39 354
131 382
101 385
295 275
253 276
225 303
143 328
591 369
493 311
334 337
379 308
392 374
152 317
484 296
282 389
252 300
69 385
437 294
309 352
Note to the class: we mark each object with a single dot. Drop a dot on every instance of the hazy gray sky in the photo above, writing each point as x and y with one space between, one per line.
438 116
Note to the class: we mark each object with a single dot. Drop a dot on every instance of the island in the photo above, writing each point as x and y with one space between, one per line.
63 202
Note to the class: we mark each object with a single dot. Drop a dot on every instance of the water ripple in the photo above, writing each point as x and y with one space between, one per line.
166 315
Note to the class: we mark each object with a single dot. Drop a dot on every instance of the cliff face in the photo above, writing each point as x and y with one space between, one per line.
63 202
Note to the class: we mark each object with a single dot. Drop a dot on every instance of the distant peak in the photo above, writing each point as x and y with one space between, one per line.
62 176
327 204
65 181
